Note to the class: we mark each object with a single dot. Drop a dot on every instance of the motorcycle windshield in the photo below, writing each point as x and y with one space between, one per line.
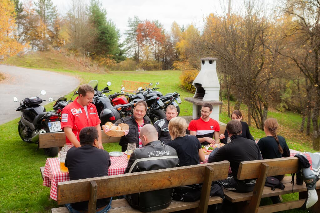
94 84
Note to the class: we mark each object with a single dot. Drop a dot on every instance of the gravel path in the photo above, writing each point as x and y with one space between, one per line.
22 83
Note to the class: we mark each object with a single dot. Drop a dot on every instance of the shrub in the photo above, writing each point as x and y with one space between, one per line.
126 65
186 79
182 65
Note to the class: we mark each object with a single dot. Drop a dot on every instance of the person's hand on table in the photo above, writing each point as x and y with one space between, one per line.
210 140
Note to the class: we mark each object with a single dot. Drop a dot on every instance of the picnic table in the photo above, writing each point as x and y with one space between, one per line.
52 174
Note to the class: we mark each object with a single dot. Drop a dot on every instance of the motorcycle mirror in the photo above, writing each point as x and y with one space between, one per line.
43 92
157 83
140 88
15 99
122 89
150 84
108 83
50 99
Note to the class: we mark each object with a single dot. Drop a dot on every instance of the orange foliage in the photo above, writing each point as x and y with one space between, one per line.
9 46
149 34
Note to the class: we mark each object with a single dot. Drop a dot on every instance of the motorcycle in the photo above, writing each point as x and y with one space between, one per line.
106 112
35 121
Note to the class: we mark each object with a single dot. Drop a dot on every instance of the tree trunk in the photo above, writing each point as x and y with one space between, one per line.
303 120
315 124
249 115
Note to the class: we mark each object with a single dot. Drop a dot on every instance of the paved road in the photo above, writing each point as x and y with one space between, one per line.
22 83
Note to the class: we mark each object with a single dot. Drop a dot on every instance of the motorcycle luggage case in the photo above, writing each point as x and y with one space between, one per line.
34 101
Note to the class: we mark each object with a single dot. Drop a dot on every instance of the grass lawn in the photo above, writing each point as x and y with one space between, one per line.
21 187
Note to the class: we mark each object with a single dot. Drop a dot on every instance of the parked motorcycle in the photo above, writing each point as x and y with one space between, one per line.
106 112
35 121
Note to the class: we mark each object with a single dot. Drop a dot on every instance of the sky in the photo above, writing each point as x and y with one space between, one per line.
184 12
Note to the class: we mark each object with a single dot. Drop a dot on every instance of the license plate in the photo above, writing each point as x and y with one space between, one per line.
54 126
179 100
160 103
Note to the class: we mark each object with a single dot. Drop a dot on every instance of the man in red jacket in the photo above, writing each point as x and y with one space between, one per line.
79 114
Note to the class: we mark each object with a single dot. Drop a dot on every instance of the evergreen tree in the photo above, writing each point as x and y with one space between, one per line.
107 40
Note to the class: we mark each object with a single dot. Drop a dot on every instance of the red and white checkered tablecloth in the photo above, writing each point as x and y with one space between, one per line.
52 174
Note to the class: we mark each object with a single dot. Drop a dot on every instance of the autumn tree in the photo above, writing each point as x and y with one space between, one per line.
9 46
77 30
303 41
149 34
240 42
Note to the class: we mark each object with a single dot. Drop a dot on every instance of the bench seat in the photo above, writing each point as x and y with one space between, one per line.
235 197
121 205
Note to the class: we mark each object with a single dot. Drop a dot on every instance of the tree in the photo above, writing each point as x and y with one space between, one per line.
47 25
241 44
107 39
303 41
9 46
131 42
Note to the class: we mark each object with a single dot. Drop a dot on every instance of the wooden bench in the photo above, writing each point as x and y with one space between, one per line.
111 186
260 169
132 86
58 139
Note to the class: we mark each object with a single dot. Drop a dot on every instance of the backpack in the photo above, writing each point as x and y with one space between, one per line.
274 183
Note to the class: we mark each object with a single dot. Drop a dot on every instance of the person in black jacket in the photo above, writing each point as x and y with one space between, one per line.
135 122
237 115
162 124
153 155
88 161
238 150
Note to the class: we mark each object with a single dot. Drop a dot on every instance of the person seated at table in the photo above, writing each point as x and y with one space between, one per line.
237 115
238 150
273 146
153 155
188 147
162 124
135 122
87 161
205 128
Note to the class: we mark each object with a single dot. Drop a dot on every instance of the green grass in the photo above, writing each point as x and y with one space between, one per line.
21 186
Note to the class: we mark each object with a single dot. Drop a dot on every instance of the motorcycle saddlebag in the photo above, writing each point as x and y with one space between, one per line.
34 101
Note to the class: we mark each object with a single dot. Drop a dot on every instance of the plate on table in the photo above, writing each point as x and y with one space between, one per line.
115 154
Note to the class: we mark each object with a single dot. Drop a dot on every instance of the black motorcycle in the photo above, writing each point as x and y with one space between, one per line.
106 112
35 121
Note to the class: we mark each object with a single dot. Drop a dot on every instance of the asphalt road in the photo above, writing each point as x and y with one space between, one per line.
22 83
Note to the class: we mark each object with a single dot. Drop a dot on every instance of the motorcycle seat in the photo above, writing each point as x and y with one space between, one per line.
38 118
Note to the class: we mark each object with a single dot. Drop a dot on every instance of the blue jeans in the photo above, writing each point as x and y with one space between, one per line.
105 210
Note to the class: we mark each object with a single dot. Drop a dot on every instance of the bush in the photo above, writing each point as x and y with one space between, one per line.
150 65
126 65
182 65
186 79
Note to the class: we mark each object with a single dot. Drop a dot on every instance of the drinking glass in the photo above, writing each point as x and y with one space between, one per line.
62 159
130 148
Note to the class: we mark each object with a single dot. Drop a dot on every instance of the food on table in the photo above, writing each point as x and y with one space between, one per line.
115 131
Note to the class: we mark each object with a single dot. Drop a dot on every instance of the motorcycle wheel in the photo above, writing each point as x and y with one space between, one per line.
52 151
157 115
20 129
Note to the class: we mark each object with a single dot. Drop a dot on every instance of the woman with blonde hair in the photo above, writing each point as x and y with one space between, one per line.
188 147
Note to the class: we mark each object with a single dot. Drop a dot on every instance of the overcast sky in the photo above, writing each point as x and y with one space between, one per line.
184 12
